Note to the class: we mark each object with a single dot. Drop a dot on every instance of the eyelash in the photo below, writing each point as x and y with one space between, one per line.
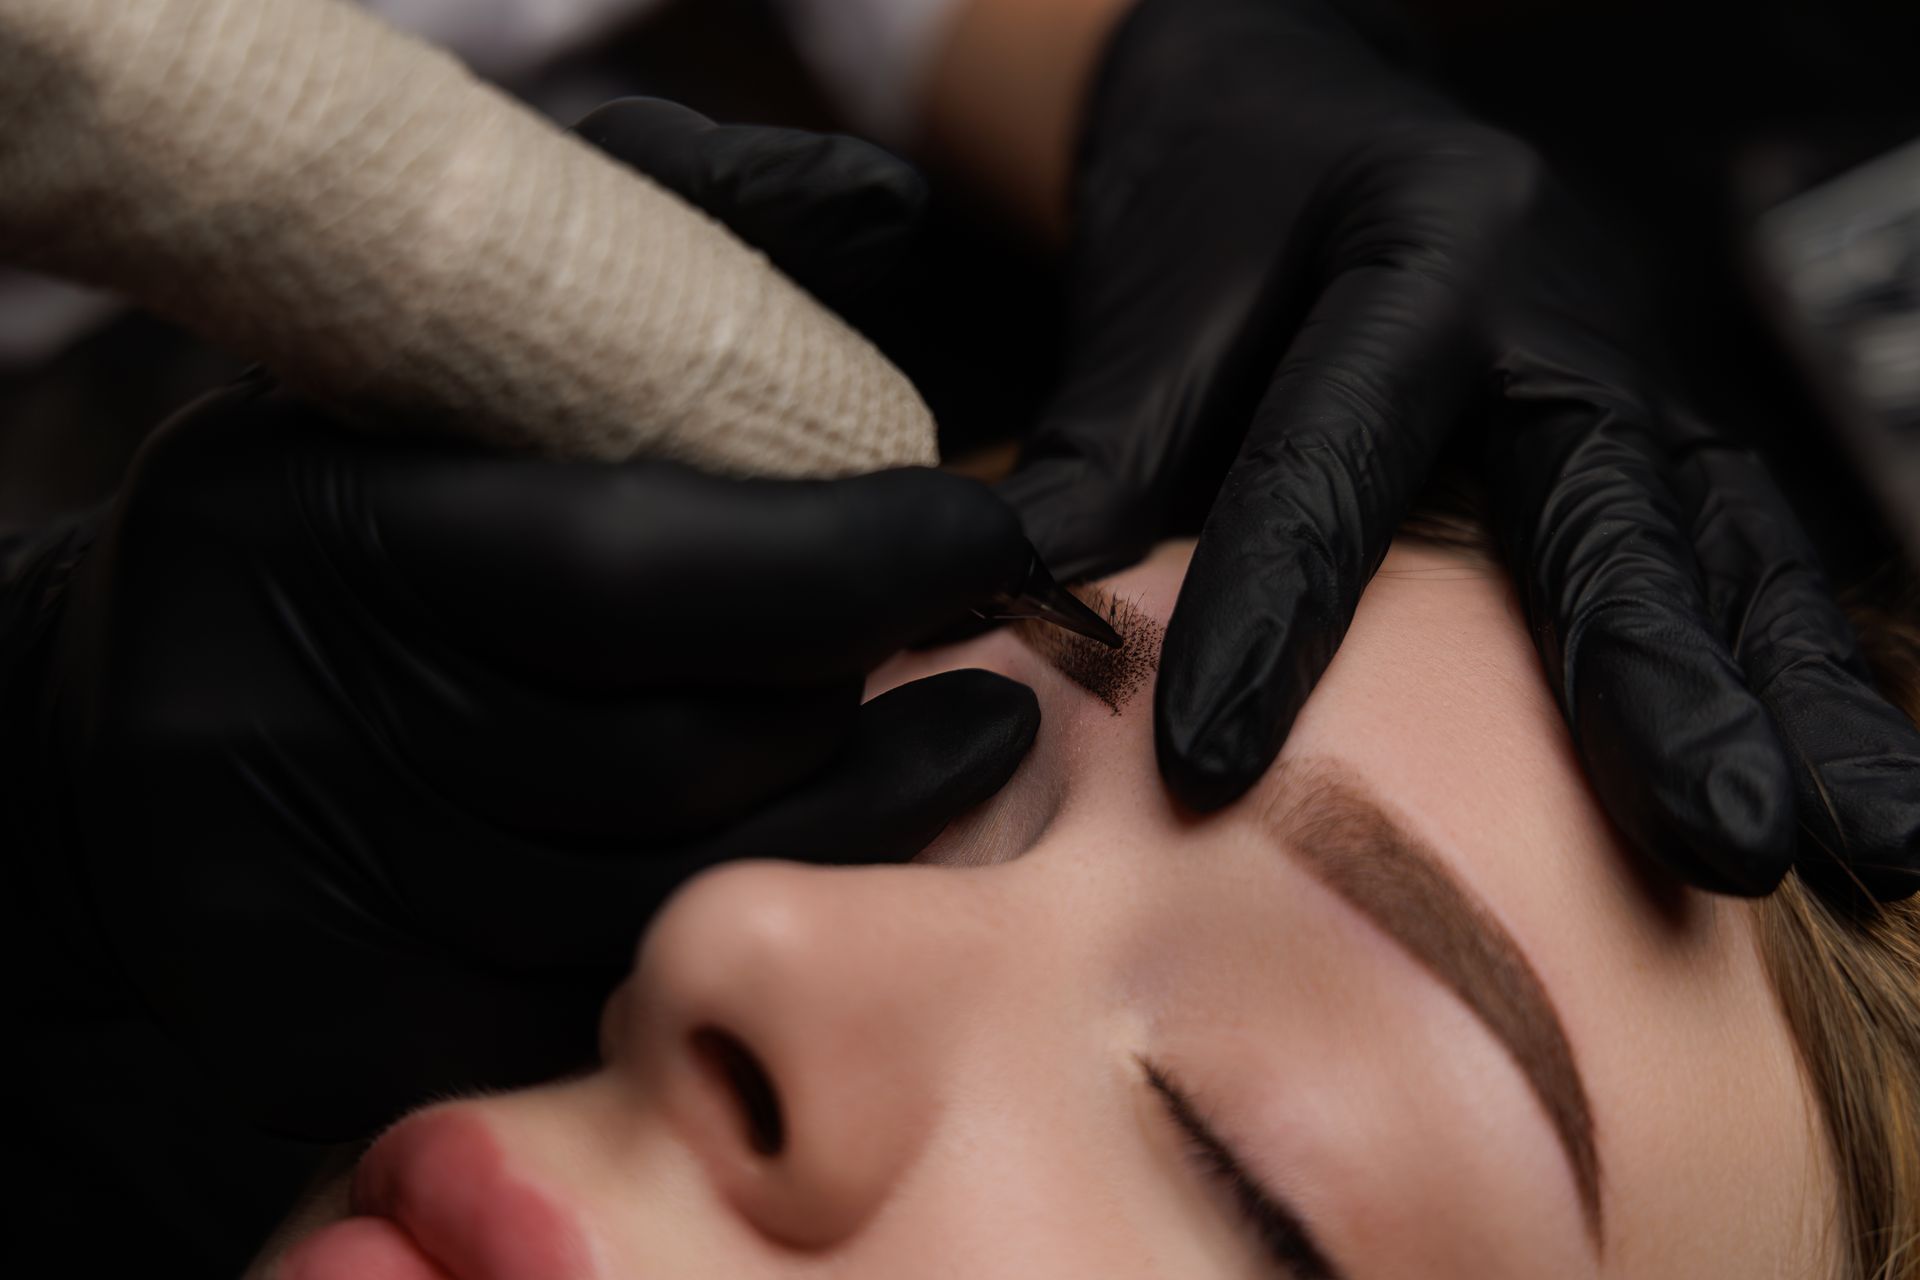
1210 1156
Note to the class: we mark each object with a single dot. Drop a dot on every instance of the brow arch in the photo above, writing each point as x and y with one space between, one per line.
1331 823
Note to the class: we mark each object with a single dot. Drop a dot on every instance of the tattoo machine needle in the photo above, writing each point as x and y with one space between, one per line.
1036 595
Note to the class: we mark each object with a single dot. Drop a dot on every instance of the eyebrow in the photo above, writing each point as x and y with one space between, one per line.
1114 676
1349 843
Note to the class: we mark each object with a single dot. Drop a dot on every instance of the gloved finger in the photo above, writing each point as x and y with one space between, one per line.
916 757
1683 755
616 577
652 752
1169 349
1857 756
835 213
593 575
1345 437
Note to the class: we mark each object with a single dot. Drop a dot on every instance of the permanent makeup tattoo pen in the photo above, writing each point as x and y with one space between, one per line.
1034 594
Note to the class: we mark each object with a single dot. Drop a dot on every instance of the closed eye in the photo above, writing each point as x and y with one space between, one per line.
1279 1230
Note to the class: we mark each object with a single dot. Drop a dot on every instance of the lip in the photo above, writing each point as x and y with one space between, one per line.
442 1177
357 1249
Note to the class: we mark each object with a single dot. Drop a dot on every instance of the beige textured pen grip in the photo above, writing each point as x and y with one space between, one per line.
301 183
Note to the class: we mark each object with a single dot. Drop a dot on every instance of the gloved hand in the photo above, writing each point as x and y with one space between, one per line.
1286 256
1281 248
374 758
1714 688
367 760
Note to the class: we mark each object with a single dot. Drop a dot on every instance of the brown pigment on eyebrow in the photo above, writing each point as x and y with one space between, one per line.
1112 675
1349 843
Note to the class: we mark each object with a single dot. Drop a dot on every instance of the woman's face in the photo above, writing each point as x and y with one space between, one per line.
1405 1010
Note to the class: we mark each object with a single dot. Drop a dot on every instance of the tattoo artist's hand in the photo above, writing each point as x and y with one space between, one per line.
1715 690
1286 255
369 759
374 758
1281 246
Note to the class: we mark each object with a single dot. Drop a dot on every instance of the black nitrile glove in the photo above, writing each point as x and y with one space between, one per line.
1290 264
1281 249
373 758
364 761
1715 689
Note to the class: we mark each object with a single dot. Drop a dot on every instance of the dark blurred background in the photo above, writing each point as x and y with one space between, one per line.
1681 122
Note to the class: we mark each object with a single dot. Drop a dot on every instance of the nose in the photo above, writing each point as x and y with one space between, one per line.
791 1021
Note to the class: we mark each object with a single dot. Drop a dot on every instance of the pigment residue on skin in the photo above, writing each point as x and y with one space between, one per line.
1114 676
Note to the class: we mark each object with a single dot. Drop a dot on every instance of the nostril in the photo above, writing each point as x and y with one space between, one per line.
735 1064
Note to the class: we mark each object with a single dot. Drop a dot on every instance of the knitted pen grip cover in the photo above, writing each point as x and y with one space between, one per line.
301 183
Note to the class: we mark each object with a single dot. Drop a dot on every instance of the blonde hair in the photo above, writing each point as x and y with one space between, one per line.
1847 974
1845 970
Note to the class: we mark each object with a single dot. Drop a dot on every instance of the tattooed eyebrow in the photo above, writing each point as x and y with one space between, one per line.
1330 821
1114 676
